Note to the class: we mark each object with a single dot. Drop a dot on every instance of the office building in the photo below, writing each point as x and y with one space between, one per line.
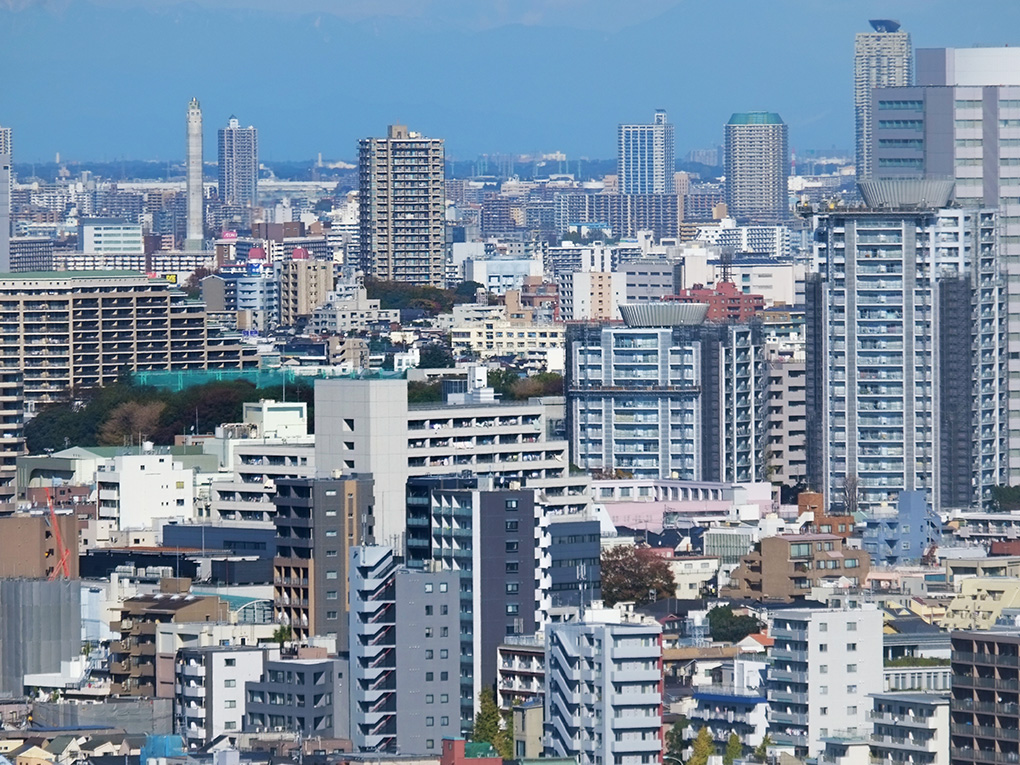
603 692
646 157
908 303
194 189
667 395
238 164
72 331
825 664
307 693
402 206
6 187
209 698
882 58
757 167
787 567
405 679
984 724
497 542
110 236
317 521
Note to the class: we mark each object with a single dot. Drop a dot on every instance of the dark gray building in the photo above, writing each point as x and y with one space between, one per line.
317 520
243 540
300 694
31 253
40 626
405 661
574 553
238 164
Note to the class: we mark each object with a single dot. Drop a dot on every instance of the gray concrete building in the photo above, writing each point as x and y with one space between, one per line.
651 279
309 696
209 690
405 682
238 164
194 168
882 58
40 627
402 205
6 185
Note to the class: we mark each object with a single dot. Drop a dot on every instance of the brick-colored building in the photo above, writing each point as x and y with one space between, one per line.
785 568
725 301
29 549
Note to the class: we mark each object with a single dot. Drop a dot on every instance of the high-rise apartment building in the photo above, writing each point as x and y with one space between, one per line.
962 121
209 692
405 686
646 157
6 186
238 164
907 315
824 665
882 58
984 724
317 522
603 692
757 167
305 284
667 395
194 189
402 205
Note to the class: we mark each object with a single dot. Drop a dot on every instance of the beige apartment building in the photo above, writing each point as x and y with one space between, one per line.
305 284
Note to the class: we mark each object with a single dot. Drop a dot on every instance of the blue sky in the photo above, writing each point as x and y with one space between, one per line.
110 79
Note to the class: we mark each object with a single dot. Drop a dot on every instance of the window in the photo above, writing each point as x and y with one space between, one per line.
230 662
851 689
331 615
429 698
428 587
851 626
428 632
428 610
512 609
443 587
331 532
851 710
823 690
800 550
429 653
444 632
330 553
430 722
511 504
444 653
229 704
430 743
512 588
444 610
444 676
512 525
230 725
823 627
229 683
429 677
851 667
823 710
512 547
332 595
823 647
444 698
512 567
331 575
851 646
824 669
444 720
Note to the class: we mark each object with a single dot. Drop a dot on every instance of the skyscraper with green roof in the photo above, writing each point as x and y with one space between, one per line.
757 165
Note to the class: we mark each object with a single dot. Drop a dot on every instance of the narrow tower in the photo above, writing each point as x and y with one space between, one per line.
6 174
196 228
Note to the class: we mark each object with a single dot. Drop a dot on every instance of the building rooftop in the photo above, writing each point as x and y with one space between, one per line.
755 118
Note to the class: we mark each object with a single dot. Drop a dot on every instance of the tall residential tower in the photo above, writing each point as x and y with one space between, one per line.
193 169
238 164
402 203
881 59
757 167
646 157
5 199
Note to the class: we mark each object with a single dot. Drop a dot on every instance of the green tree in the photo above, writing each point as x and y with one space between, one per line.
726 627
761 752
436 356
282 634
704 748
633 574
675 741
734 749
487 720
420 392
504 743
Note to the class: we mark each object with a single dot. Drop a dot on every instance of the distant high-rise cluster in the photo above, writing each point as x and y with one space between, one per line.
882 58
193 169
402 206
238 164
757 167
646 157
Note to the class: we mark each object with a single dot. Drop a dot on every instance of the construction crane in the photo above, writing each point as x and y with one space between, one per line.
63 565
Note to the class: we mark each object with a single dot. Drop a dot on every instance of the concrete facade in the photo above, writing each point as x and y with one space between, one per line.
882 58
238 164
209 698
646 157
194 189
28 545
757 167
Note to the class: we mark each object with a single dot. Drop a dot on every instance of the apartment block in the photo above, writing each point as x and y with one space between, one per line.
910 727
882 58
667 395
825 665
984 720
787 567
305 285
317 521
140 491
69 332
303 694
209 691
402 207
646 157
404 654
29 549
603 693
757 167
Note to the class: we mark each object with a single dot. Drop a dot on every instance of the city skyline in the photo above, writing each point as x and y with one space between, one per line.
515 107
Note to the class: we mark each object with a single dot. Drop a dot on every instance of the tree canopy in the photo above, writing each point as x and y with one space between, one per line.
704 748
635 574
727 627
433 300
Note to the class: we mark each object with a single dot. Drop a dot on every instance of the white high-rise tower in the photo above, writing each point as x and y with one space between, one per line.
882 58
196 228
